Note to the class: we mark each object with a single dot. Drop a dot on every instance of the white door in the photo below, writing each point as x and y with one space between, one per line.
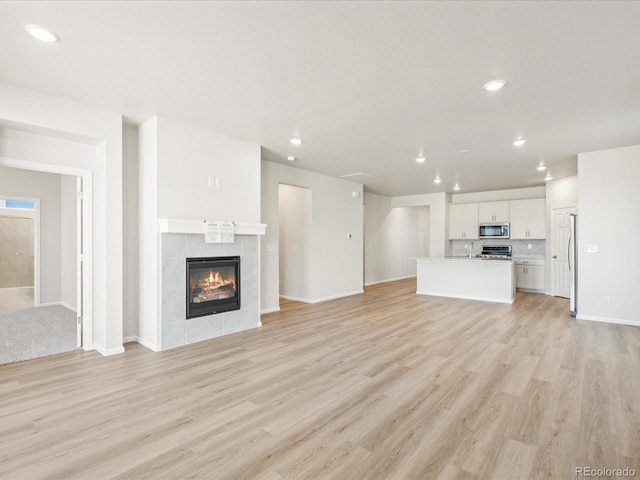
561 231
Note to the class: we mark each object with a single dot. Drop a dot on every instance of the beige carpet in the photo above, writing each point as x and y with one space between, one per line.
36 332
16 298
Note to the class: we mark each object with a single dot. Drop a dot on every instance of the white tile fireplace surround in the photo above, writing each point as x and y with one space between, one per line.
176 330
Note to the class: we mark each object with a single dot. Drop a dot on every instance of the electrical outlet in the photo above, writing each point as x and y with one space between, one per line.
591 248
606 299
529 246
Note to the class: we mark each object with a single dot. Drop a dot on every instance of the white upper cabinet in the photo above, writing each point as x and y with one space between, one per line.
528 219
493 212
463 221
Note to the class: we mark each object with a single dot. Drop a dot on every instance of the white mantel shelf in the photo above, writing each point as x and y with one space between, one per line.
179 225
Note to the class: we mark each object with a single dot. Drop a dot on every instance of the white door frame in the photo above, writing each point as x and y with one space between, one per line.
553 242
87 239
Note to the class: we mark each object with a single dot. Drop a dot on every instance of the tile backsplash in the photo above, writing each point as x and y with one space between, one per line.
519 247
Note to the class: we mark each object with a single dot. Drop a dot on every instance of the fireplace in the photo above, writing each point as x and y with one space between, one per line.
213 285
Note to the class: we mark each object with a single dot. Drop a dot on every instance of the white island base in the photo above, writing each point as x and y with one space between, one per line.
470 278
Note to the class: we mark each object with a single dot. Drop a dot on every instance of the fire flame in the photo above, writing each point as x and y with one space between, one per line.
215 279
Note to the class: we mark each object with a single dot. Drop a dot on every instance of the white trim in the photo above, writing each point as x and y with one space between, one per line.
324 299
466 297
368 284
15 288
59 304
51 304
269 310
618 321
180 225
141 341
36 253
68 307
107 352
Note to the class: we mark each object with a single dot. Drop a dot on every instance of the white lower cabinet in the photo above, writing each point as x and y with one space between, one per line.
530 275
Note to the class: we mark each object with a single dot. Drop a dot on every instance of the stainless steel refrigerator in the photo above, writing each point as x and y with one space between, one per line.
572 258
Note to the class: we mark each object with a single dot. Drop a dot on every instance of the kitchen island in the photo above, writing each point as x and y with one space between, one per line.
470 278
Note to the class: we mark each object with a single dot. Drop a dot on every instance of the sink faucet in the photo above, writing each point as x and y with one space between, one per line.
470 247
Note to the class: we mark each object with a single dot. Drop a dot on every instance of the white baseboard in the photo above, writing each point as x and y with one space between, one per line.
324 299
69 307
269 310
58 304
143 342
51 304
618 321
8 289
368 284
107 352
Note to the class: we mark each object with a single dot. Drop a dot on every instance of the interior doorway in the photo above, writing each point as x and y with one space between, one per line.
54 313
18 244
560 235
295 215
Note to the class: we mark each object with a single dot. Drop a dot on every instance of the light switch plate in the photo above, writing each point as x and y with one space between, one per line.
591 248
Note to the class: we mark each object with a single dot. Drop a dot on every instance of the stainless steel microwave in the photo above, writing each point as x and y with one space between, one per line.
494 230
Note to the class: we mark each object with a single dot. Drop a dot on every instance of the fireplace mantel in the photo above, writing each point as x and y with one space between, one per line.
179 225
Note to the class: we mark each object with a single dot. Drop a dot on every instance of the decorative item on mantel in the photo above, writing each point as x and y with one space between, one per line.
218 232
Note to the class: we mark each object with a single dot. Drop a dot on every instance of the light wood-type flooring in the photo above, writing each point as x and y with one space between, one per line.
385 385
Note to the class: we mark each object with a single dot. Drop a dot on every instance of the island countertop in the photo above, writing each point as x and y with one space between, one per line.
463 277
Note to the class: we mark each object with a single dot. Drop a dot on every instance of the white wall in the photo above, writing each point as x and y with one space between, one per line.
131 243
68 241
15 182
175 161
559 193
609 209
187 156
336 261
148 327
99 133
295 216
438 203
393 237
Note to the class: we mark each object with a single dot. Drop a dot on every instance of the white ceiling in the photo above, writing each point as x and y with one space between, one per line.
368 86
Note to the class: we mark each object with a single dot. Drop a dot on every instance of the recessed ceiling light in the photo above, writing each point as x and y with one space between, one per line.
437 180
494 85
291 158
519 142
296 141
456 187
464 150
421 159
42 33
548 177
541 168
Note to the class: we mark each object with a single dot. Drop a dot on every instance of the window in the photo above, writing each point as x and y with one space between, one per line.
24 204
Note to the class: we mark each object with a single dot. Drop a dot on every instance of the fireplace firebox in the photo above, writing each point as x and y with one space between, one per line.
213 285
